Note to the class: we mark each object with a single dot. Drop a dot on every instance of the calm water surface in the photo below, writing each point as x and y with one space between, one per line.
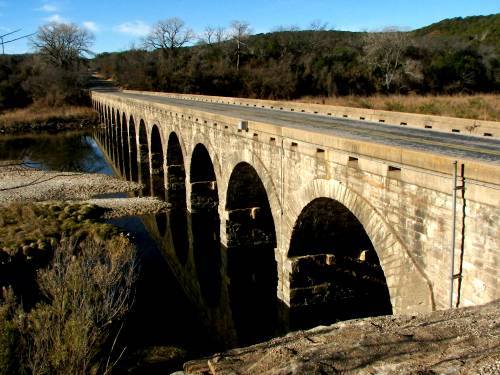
164 314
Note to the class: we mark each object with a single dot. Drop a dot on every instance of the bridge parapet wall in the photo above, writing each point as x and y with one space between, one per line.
480 128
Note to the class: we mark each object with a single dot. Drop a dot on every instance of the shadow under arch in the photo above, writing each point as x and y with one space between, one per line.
337 273
409 288
144 173
134 174
205 224
176 198
251 264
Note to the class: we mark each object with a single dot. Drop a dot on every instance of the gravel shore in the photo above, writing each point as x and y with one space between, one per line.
19 183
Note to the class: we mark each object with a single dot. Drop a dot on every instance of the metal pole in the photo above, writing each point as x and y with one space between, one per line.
453 227
3 48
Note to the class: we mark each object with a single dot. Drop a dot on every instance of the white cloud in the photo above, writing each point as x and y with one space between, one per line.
48 8
91 26
137 28
56 18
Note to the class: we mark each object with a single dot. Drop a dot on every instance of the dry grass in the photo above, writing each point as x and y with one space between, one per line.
45 117
479 107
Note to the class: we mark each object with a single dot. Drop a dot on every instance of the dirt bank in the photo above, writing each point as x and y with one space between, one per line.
462 341
47 119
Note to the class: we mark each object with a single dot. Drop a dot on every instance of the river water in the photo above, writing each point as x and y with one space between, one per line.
166 313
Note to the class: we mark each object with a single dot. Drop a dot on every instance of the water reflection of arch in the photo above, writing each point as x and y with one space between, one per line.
134 162
143 150
205 224
251 264
396 264
176 197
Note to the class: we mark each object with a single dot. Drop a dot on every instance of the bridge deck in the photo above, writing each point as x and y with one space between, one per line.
450 144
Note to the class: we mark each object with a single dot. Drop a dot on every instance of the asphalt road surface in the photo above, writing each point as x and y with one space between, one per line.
451 144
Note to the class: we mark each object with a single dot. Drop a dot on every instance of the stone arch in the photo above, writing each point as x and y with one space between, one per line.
336 273
265 176
409 290
176 197
199 138
176 173
110 134
205 224
251 264
125 146
119 143
157 163
134 174
143 150
158 175
114 132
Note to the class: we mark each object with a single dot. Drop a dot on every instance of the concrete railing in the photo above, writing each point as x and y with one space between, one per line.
429 122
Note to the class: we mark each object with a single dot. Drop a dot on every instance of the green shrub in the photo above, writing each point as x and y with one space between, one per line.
87 289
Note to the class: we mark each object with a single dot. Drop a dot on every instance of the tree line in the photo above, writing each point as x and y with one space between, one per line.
55 74
290 63
450 57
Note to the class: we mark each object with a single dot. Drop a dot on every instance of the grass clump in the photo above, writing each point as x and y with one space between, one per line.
32 229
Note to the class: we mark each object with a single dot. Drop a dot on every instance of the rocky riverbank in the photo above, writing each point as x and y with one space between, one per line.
461 341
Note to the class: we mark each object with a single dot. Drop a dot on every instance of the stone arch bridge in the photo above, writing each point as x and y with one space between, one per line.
331 218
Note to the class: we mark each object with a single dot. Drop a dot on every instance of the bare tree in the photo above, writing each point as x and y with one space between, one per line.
239 31
220 34
213 35
169 34
63 43
384 52
318 25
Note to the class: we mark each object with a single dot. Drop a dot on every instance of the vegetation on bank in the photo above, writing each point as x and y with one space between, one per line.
67 280
479 107
47 118
50 85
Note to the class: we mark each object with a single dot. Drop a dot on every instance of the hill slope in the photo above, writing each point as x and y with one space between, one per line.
483 29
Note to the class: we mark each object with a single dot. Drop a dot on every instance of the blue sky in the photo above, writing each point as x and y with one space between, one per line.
117 24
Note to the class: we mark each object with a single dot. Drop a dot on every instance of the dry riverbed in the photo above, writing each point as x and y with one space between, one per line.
19 183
